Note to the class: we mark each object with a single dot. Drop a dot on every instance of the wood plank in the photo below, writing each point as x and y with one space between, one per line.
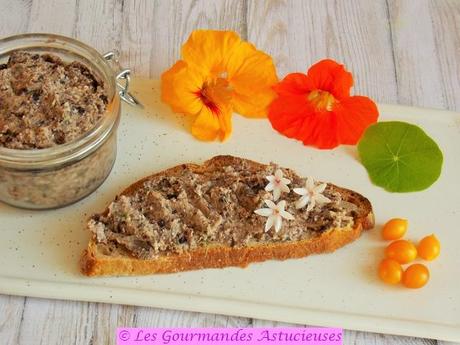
102 328
43 17
95 23
417 59
445 16
13 17
11 310
153 32
138 36
356 33
366 338
52 321
175 318
99 24
358 338
103 320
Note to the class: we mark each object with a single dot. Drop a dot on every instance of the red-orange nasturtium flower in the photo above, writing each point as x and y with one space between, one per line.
218 74
317 108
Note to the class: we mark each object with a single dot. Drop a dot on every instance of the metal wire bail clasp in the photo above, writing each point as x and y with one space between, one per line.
123 80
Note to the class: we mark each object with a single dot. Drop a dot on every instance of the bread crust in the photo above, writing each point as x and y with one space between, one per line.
93 263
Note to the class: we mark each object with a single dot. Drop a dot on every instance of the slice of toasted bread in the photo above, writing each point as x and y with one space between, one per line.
202 216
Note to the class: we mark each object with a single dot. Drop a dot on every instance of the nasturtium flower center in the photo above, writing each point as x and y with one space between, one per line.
322 100
215 92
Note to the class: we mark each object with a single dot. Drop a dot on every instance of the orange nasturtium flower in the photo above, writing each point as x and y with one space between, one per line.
317 108
218 74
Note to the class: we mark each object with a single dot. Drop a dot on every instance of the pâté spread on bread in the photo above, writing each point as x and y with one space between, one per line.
191 217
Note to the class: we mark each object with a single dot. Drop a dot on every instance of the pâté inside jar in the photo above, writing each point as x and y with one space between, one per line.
59 113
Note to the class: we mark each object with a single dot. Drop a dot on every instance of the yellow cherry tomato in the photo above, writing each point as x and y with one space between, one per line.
429 248
402 251
394 229
415 276
390 271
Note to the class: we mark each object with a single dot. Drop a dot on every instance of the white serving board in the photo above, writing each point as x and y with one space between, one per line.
40 249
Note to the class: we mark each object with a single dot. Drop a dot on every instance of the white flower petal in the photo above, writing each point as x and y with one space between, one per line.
320 188
279 174
278 223
321 199
265 212
286 181
270 178
269 187
310 183
284 188
300 191
302 202
281 205
270 222
311 205
276 193
270 204
286 215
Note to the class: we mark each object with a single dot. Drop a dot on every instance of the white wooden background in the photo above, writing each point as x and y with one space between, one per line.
400 51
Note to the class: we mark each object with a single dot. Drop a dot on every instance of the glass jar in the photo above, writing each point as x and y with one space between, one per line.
63 174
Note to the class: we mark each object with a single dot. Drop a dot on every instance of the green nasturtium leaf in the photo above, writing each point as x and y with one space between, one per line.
400 157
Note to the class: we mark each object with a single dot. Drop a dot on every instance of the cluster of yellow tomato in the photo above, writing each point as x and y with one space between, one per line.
400 252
